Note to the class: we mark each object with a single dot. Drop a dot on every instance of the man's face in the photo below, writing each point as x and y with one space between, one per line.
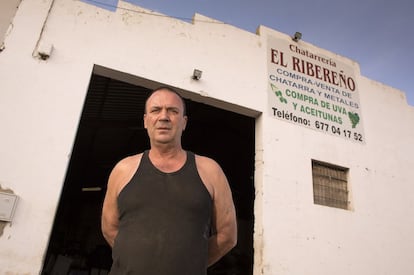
164 118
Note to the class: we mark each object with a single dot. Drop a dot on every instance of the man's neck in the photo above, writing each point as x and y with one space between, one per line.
167 159
164 151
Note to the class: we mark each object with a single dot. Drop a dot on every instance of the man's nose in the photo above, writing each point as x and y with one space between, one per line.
164 115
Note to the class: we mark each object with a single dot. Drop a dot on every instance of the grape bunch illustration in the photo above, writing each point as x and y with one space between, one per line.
354 118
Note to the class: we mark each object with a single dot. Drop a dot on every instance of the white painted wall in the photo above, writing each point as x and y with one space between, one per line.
41 102
374 238
7 11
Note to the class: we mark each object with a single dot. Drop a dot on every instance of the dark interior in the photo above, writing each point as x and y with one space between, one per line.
110 129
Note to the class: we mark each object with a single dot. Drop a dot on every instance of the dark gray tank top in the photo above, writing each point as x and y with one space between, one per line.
164 222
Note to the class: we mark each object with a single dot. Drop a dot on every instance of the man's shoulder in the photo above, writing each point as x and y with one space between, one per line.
123 171
211 174
130 160
204 161
207 166
127 164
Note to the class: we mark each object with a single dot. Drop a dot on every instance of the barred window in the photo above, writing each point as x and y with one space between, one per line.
330 185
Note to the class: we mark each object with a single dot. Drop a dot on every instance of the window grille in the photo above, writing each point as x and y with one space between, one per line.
330 185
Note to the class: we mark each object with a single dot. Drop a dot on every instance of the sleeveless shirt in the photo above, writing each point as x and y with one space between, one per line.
164 222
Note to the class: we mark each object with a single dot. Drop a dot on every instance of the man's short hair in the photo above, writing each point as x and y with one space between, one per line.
170 90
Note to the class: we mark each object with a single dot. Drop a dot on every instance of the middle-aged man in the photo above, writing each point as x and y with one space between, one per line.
167 211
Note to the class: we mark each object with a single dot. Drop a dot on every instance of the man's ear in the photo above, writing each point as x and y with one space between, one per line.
145 121
185 122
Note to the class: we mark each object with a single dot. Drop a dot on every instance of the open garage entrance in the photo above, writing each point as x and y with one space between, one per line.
110 129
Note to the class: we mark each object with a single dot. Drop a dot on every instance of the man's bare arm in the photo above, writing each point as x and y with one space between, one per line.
224 236
109 221
120 176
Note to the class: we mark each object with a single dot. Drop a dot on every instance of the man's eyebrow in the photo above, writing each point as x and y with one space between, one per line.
169 108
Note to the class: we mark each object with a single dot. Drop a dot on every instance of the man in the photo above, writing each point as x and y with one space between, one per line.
167 211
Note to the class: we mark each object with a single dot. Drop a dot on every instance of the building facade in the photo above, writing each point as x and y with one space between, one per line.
326 153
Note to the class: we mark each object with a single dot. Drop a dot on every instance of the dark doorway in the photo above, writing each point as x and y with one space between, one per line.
110 129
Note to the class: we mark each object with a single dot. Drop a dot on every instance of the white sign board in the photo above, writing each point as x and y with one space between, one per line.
312 90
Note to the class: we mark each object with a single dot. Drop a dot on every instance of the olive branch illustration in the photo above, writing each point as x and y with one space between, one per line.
278 93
